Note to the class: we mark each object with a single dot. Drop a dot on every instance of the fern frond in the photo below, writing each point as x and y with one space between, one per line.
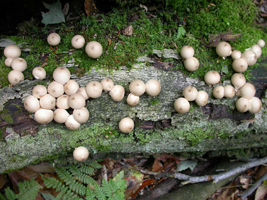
10 195
53 183
89 194
28 190
99 193
87 170
95 165
63 174
2 197
106 188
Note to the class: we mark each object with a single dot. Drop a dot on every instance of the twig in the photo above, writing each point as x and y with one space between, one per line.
216 178
249 191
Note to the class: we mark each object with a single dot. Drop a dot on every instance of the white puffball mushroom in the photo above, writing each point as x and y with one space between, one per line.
39 73
77 41
247 91
31 104
55 89
255 105
132 99
48 102
94 89
249 56
240 65
187 52
257 49
43 116
8 61
71 87
126 125
81 115
242 104
191 64
76 101
238 80
60 115
107 84
190 93
212 77
19 64
181 105
117 93
94 49
61 75
14 77
202 98
72 124
63 102
236 54
223 49
218 92
38 91
82 91
153 87
137 87
261 43
229 91
53 39
12 51
80 154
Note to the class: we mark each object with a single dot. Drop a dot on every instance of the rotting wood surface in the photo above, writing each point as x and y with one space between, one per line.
158 128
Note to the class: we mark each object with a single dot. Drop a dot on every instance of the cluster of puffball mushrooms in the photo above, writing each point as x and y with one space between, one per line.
241 61
53 102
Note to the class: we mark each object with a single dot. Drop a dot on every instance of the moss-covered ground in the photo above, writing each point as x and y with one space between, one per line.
167 24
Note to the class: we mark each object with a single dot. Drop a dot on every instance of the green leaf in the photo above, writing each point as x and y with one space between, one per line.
48 196
10 195
181 32
54 15
119 176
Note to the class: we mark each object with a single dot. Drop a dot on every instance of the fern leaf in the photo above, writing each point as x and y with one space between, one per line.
106 188
99 193
62 192
28 190
89 194
10 195
95 165
63 174
181 32
87 170
2 197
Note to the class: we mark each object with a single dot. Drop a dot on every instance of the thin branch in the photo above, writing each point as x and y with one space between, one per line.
249 191
216 178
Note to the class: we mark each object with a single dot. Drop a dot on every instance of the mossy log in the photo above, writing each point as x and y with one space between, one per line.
216 127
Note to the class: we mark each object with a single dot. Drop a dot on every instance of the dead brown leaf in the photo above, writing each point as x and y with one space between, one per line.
261 192
89 7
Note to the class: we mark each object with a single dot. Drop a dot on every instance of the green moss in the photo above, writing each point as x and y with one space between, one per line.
165 30
4 114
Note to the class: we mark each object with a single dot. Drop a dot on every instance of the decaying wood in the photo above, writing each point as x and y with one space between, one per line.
216 127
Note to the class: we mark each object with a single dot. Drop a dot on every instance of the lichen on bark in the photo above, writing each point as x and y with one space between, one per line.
158 128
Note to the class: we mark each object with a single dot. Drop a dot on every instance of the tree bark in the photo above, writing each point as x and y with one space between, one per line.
215 127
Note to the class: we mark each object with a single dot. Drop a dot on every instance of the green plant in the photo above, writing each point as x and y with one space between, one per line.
76 182
28 190
73 182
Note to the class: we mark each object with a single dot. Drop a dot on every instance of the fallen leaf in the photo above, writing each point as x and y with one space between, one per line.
89 7
244 181
261 192
54 15
2 180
